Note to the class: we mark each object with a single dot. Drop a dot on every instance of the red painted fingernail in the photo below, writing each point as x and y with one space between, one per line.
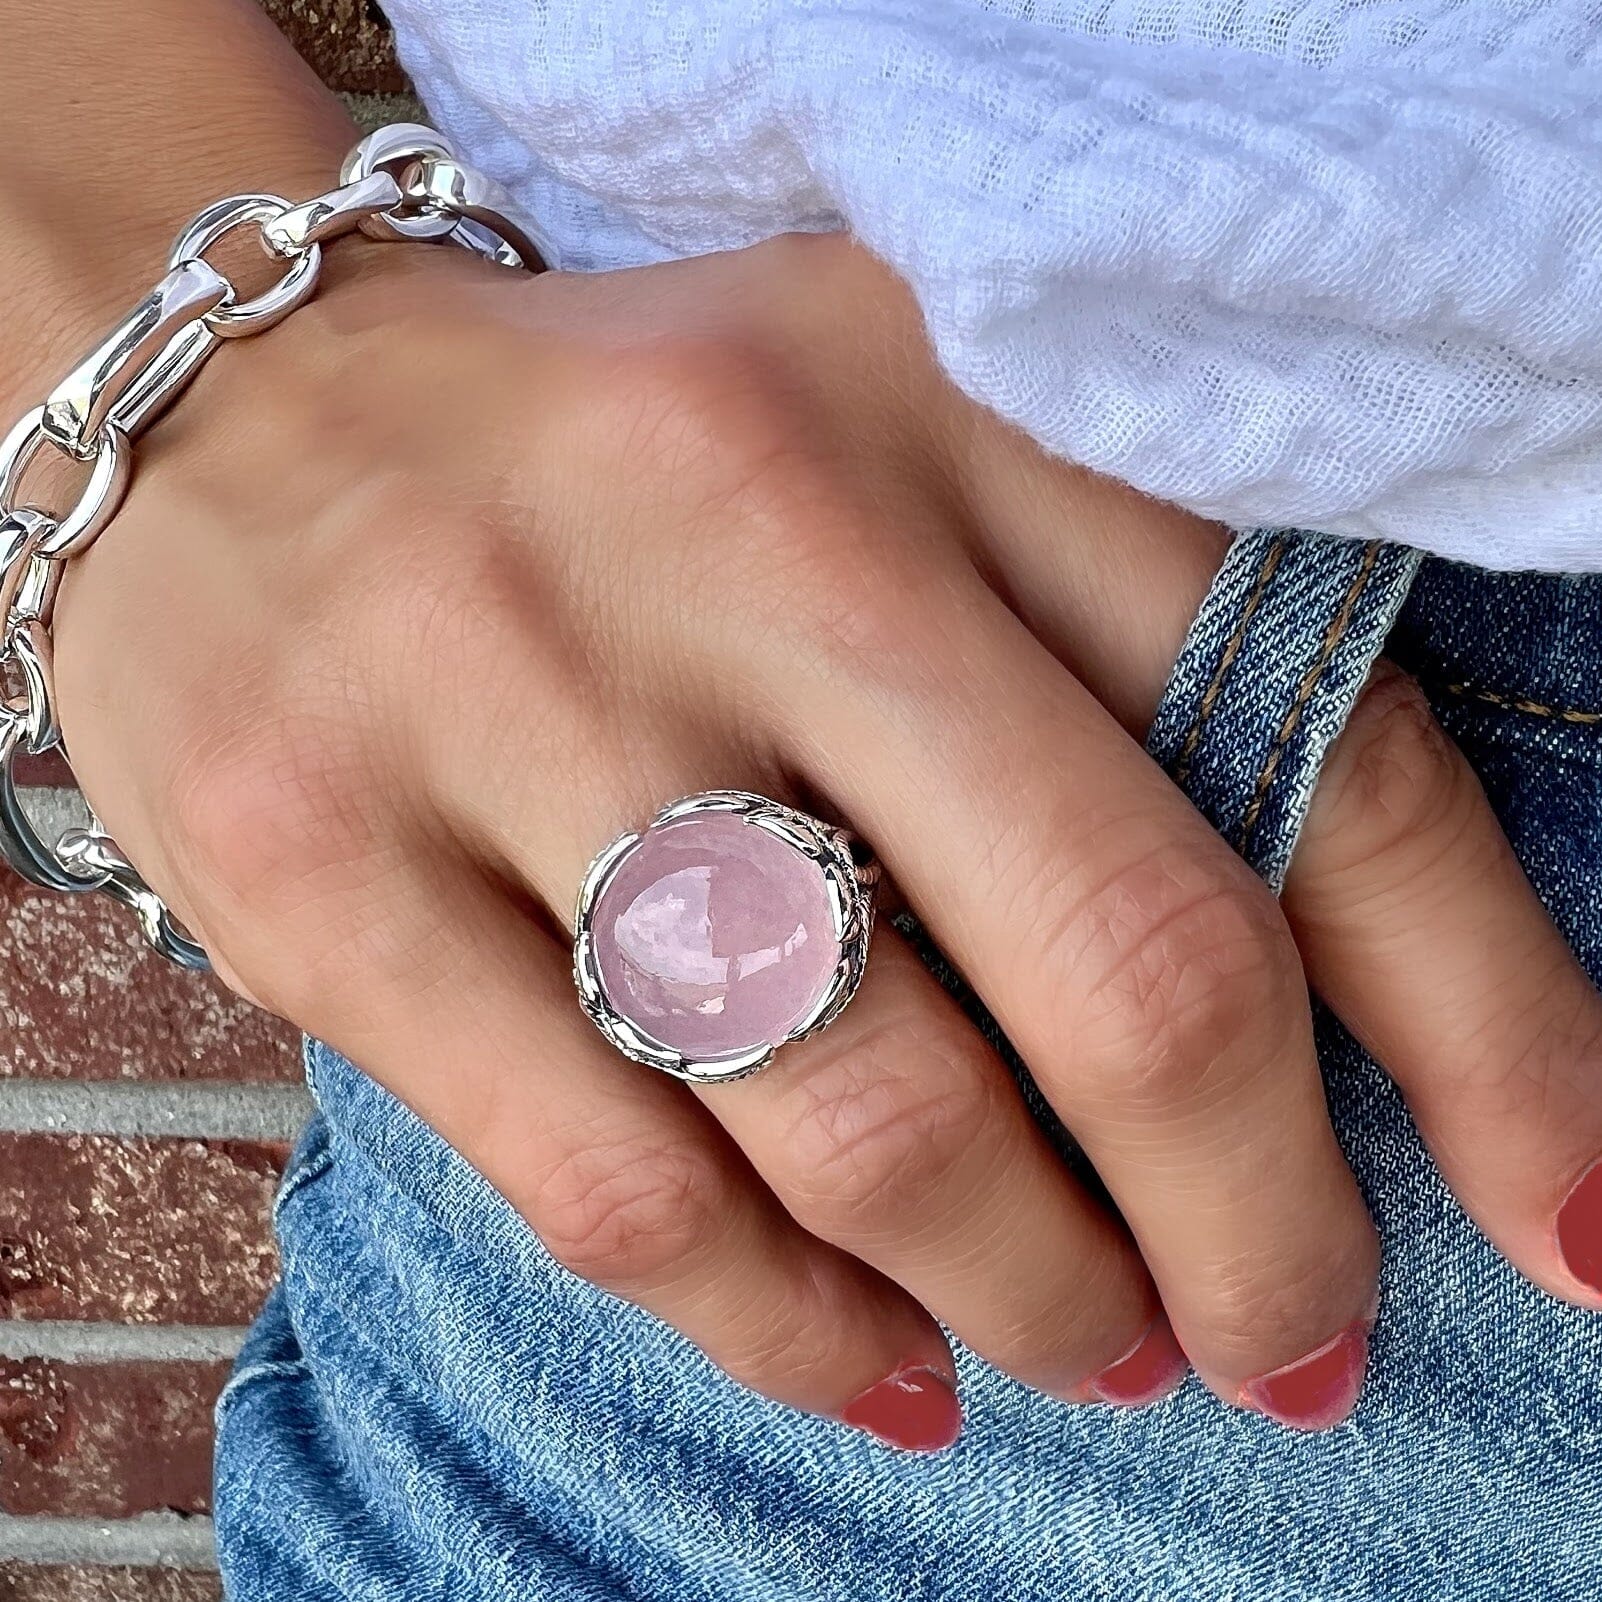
1152 1369
1579 1229
1318 1390
914 1408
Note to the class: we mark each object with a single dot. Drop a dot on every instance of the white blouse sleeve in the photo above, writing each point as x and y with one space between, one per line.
1325 263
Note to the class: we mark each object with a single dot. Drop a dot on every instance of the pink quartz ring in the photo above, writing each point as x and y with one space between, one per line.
728 927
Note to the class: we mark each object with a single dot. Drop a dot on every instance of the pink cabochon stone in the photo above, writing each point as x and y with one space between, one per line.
714 937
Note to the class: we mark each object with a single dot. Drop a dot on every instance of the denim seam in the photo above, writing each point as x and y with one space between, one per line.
296 1182
1226 660
1339 625
1517 703
294 1368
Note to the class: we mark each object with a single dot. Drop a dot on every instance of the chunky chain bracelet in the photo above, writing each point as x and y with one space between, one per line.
402 182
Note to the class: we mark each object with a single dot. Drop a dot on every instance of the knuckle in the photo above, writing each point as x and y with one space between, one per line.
284 835
273 806
874 1133
625 1215
858 620
1394 776
1170 966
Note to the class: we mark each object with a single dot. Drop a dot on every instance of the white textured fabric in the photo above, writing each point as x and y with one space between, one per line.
1329 263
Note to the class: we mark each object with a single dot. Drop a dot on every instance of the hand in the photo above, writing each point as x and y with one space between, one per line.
423 597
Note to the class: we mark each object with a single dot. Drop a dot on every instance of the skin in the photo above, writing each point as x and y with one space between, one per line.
423 596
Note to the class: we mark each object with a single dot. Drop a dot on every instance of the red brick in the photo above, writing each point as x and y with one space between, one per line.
49 769
135 1230
21 1582
83 997
347 41
106 1440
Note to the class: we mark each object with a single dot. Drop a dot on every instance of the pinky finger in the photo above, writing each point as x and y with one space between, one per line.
1418 926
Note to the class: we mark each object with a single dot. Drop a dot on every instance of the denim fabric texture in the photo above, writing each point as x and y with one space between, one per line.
431 1408
1257 696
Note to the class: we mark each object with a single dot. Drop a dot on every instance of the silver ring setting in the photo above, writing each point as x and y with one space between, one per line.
729 926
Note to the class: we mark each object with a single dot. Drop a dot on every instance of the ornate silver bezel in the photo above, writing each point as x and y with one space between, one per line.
849 882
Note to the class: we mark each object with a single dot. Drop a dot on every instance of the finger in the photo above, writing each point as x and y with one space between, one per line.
1144 973
1414 919
900 1136
389 943
1420 929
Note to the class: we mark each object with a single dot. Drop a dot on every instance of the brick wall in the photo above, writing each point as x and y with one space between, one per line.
144 1118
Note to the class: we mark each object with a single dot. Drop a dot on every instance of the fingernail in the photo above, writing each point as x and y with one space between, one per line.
914 1408
1579 1229
1152 1369
1318 1390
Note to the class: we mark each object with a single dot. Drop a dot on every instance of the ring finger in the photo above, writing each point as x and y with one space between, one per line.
898 1134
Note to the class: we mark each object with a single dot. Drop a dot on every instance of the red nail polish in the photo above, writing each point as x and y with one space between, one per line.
1318 1390
914 1408
1579 1229
1152 1370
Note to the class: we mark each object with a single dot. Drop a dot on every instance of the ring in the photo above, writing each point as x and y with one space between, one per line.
728 927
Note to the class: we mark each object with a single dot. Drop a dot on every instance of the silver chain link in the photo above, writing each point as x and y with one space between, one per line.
403 182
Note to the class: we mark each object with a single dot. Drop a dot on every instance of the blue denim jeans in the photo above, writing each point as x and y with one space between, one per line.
431 1408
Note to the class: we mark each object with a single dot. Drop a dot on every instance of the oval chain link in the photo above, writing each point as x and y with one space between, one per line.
80 525
403 182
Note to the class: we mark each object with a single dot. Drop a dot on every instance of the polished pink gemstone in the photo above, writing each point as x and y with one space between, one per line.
714 936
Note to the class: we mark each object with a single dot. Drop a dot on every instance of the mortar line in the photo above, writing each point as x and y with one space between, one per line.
187 1109
63 1341
153 1540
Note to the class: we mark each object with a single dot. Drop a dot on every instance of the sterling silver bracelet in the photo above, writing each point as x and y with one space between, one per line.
403 182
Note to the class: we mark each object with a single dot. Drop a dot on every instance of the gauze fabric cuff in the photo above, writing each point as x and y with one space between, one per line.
1324 265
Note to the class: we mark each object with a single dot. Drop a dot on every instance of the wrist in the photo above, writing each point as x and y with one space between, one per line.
90 200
